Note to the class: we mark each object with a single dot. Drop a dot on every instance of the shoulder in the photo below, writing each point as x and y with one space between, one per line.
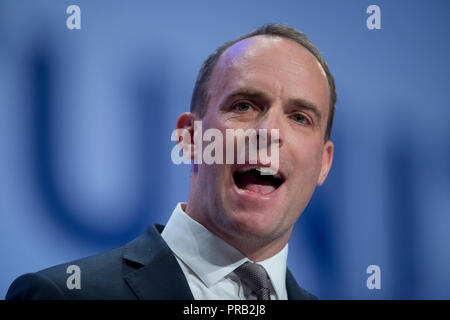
100 276
71 280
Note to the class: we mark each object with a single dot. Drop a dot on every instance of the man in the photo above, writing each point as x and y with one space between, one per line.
230 240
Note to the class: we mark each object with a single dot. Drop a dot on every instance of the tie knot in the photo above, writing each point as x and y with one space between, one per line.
255 277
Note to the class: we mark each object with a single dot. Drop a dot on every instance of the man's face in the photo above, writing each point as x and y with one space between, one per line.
265 83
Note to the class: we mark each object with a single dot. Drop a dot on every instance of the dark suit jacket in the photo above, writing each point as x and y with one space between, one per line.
144 268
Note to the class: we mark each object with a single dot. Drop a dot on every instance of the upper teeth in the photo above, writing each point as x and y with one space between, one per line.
262 170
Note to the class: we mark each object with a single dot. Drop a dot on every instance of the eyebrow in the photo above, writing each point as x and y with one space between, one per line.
298 103
249 93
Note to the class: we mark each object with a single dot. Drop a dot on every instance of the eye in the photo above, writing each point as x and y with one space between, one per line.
300 118
242 107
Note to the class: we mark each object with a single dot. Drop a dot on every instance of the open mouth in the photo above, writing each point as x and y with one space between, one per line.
257 179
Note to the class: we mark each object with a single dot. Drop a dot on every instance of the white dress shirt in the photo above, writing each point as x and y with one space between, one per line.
208 262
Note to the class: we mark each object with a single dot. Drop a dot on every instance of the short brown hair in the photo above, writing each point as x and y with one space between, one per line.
200 99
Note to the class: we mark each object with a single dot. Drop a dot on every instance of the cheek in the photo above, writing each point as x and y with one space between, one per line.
307 160
209 175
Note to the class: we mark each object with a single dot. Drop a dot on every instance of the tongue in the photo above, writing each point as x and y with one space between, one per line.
256 183
259 188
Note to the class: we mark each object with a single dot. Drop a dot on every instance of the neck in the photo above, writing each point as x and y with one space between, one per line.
258 250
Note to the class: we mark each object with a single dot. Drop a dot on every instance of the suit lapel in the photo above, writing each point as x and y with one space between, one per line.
294 291
152 271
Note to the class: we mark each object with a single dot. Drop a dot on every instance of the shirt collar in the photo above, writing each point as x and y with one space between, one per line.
276 269
210 257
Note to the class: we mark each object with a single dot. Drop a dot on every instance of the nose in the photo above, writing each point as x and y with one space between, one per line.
271 122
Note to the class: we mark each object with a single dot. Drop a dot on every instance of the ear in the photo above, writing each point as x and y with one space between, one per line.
327 160
185 134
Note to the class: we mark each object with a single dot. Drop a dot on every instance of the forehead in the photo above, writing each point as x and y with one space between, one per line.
280 67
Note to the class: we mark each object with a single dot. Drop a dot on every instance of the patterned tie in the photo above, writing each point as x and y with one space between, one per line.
255 277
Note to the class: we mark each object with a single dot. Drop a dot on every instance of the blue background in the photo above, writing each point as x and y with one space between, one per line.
86 118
